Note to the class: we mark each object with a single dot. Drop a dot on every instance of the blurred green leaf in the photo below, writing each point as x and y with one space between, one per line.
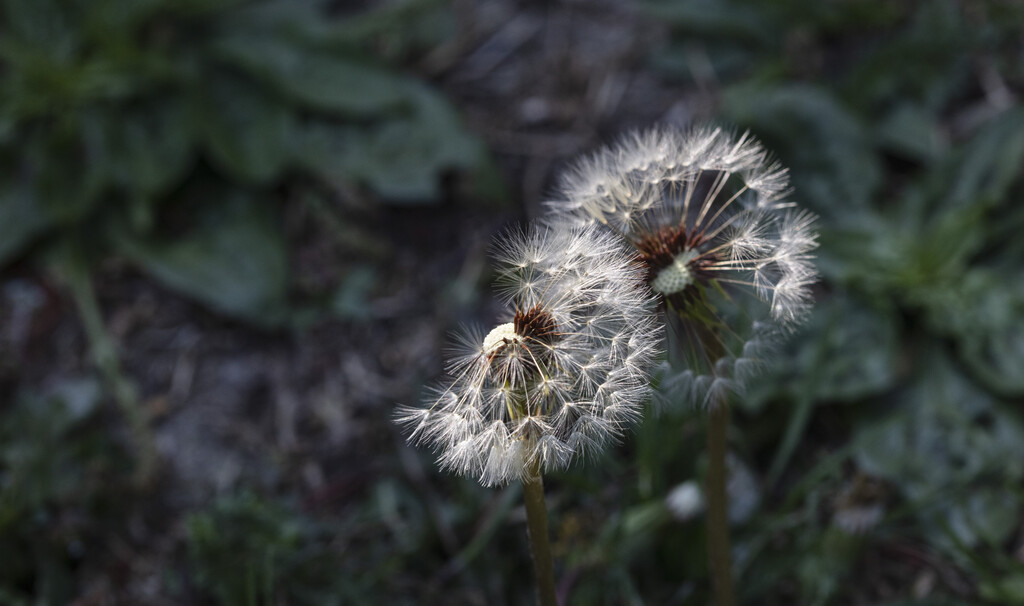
857 353
20 218
247 133
713 19
58 479
1008 589
45 24
245 550
234 260
982 312
148 149
105 107
996 357
822 573
396 26
903 260
63 185
107 17
924 60
983 171
351 299
33 474
934 600
317 79
985 515
834 167
912 132
953 452
848 351
970 181
401 159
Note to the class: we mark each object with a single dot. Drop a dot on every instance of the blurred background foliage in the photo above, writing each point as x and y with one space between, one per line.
322 178
159 131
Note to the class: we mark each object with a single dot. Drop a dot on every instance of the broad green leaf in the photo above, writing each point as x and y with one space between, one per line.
58 478
247 133
834 168
849 350
986 299
65 183
933 600
974 178
953 452
903 259
985 514
912 132
104 17
982 312
320 80
47 25
351 299
714 19
398 26
403 158
147 149
20 218
926 61
402 29
997 356
1004 589
330 150
36 474
852 353
720 59
824 572
247 550
990 163
233 260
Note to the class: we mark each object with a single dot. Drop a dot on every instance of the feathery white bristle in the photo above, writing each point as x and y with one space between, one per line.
742 272
515 400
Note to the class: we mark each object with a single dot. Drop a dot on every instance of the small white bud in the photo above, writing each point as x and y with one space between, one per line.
499 336
686 501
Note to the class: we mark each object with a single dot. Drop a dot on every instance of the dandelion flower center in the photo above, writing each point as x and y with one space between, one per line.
676 276
499 337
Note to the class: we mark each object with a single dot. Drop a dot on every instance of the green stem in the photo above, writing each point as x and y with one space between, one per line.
540 546
794 432
104 355
718 505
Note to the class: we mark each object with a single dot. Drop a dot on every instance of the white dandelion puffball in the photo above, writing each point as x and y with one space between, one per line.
565 375
724 250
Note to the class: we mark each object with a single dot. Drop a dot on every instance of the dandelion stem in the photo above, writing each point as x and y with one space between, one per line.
718 504
540 546
105 357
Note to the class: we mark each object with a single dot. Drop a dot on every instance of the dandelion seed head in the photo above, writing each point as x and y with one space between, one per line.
567 374
729 256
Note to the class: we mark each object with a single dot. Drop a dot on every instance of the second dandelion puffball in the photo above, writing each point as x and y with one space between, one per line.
724 249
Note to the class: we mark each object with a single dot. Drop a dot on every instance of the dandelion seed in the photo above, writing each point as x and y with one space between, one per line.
726 253
566 374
